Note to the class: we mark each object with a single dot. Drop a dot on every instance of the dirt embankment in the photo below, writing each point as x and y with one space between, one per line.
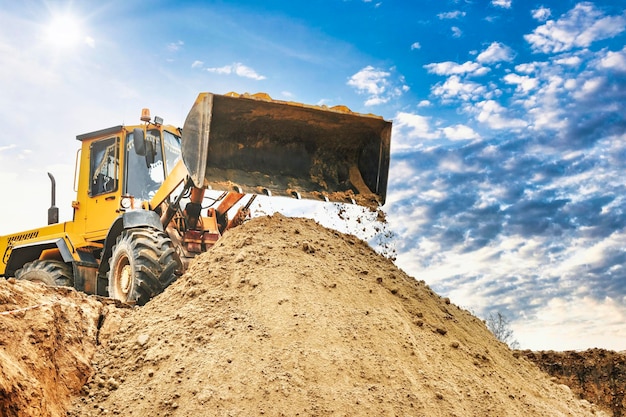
597 375
48 337
283 318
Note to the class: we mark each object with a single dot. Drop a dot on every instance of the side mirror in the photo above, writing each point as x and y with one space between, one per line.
139 141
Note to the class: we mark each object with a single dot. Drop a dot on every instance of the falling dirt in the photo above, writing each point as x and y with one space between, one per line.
283 317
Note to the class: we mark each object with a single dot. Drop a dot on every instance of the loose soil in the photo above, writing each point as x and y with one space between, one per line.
283 317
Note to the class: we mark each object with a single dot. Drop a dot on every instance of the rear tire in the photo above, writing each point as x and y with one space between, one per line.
51 273
142 265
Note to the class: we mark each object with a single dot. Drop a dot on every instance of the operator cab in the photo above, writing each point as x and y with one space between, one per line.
127 165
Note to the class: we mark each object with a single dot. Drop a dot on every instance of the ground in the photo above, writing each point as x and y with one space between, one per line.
598 375
283 317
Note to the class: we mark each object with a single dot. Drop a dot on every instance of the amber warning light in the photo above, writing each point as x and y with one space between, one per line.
145 115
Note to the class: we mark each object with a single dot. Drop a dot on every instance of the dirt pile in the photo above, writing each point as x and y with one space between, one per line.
283 318
596 375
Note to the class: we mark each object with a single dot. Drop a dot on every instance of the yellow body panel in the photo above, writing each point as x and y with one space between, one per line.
48 233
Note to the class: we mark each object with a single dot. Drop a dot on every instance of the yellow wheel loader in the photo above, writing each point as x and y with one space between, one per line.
142 210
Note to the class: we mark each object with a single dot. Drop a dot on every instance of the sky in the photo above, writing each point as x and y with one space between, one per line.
507 179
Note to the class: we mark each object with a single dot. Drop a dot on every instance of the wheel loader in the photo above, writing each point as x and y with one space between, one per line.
151 197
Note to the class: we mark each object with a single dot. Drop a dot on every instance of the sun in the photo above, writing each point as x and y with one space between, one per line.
64 31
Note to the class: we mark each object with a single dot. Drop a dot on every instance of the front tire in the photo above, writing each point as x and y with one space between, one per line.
51 273
142 265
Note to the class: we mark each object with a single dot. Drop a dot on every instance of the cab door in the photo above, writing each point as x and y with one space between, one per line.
104 186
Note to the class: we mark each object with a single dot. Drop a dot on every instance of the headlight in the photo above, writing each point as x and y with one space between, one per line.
126 202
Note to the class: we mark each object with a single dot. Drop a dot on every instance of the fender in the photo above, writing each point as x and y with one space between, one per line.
22 254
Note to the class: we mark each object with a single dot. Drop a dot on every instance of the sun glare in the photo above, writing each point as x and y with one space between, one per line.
64 31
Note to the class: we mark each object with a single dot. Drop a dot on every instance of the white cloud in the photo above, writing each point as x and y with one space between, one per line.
589 87
541 14
502 3
570 84
416 45
549 90
527 68
376 100
455 88
238 69
578 28
452 68
493 115
460 132
548 118
226 69
524 82
7 147
614 60
455 164
496 52
175 46
456 32
451 15
370 80
197 64
570 61
377 85
414 126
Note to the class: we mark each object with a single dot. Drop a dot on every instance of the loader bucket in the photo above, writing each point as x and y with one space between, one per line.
253 144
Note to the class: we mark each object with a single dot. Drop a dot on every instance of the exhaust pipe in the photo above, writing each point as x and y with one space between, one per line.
53 211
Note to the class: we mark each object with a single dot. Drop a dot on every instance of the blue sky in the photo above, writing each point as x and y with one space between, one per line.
506 189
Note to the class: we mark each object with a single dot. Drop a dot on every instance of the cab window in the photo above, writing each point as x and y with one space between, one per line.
172 150
104 166
144 173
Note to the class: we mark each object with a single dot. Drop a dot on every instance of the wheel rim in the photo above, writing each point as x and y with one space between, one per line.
142 263
123 277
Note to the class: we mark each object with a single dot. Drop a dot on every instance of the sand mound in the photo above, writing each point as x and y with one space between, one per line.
286 318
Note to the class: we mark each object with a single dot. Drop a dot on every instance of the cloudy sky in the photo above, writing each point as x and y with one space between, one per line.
507 184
